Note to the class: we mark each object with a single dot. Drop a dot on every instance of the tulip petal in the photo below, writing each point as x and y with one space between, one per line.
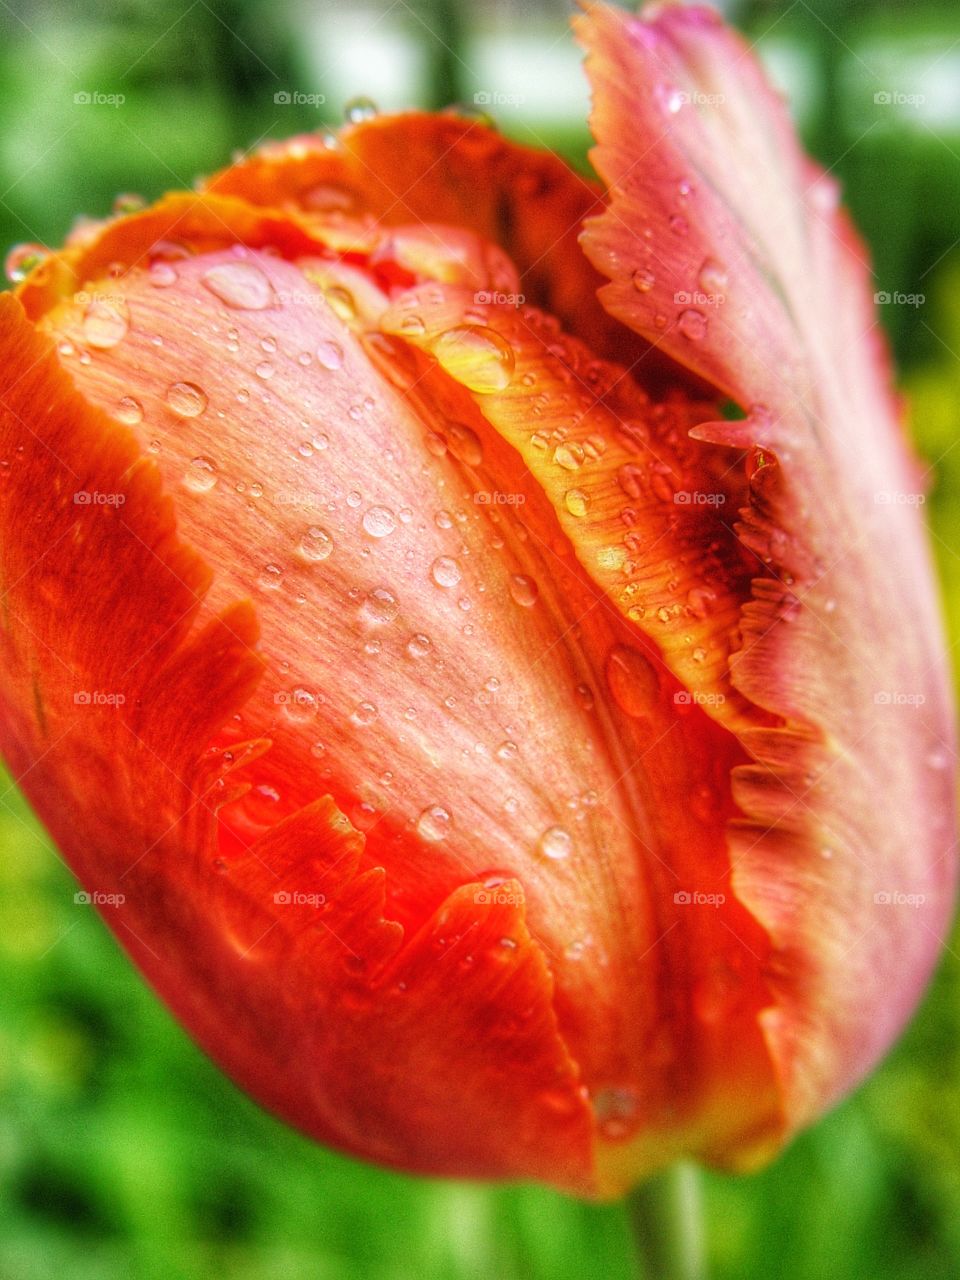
725 245
422 169
131 792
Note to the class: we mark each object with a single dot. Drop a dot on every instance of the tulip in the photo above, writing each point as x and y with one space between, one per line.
470 628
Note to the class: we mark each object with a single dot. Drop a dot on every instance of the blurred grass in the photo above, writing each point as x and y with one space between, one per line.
123 1152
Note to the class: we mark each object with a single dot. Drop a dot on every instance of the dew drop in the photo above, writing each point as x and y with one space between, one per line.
379 522
202 475
271 577
129 411
632 679
712 277
380 606
240 285
556 843
643 280
477 357
576 502
330 355
22 259
524 590
569 455
692 324
316 544
359 109
433 825
445 571
617 1112
419 645
630 479
300 706
464 443
186 399
364 714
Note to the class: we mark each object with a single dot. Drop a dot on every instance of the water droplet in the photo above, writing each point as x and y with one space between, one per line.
700 601
632 679
556 843
271 577
105 322
186 399
162 275
202 475
129 411
445 571
378 522
240 285
380 606
507 751
643 280
265 370
419 646
341 302
434 823
330 355
477 357
365 713
692 324
679 225
712 277
22 259
524 590
617 1112
569 455
359 109
464 443
316 544
576 502
300 706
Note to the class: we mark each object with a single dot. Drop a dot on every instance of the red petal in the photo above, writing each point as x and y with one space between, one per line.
849 807
417 168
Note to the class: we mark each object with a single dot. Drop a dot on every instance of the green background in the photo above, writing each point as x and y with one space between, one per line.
123 1153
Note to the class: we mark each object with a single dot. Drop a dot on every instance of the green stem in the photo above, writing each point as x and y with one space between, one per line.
666 1220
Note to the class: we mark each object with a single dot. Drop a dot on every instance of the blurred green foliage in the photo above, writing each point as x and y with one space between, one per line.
123 1152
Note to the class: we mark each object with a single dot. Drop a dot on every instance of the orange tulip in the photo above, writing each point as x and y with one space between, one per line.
501 761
